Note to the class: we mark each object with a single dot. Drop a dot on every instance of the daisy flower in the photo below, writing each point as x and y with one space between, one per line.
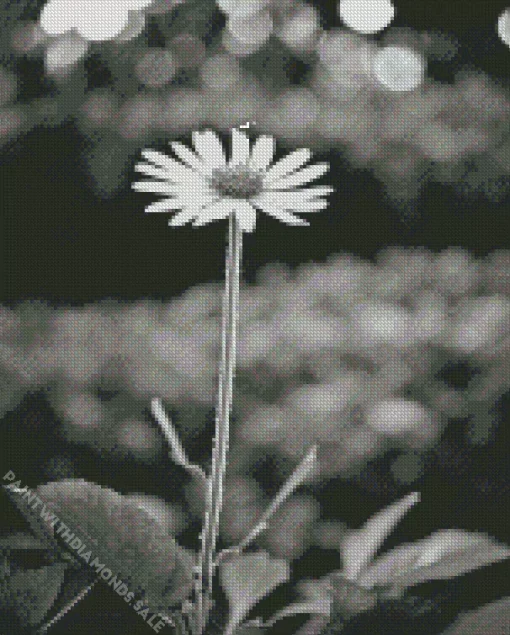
205 186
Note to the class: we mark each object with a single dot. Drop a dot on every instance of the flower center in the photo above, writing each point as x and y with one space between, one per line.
238 181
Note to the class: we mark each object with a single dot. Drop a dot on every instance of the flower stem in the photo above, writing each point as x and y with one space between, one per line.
204 583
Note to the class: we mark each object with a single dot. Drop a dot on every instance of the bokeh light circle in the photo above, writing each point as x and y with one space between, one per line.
399 68
366 16
504 27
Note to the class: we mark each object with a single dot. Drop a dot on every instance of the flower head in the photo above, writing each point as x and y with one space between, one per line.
204 186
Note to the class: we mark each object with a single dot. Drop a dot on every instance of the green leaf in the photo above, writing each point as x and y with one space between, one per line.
490 619
445 554
125 538
31 593
21 541
39 527
348 597
316 625
360 546
316 600
246 579
347 600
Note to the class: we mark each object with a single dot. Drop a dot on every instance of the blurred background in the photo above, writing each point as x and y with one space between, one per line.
381 332
427 165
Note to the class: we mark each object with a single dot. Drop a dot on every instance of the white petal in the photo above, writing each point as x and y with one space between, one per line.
190 184
301 177
217 211
288 164
190 189
171 204
151 170
283 216
190 158
240 147
197 199
161 159
209 148
312 206
194 199
155 187
290 200
184 217
263 152
161 206
315 190
246 215
180 195
177 172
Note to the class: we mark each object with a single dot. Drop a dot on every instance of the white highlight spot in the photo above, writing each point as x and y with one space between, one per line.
300 30
366 16
134 27
63 53
397 416
242 8
399 68
253 31
504 27
96 21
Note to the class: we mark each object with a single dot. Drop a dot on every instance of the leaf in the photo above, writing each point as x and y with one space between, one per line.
247 579
490 619
253 627
36 524
21 541
348 597
316 600
302 472
125 538
348 600
31 593
177 451
314 626
360 546
445 554
33 517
